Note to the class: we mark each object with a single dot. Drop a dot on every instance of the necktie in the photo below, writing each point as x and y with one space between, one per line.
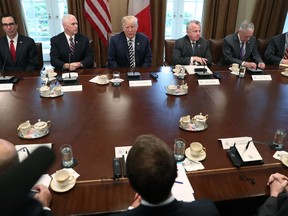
242 51
286 53
72 45
131 54
193 47
12 50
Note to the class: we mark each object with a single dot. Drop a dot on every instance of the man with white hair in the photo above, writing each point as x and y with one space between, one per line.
70 48
241 48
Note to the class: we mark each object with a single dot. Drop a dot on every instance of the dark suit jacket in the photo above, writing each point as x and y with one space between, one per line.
275 206
177 208
26 55
231 50
60 50
275 50
118 55
182 51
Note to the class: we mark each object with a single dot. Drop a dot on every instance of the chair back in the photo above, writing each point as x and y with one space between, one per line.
40 55
169 45
262 45
216 50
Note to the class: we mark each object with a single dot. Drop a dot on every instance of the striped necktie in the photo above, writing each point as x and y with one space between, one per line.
72 45
12 50
286 53
131 54
193 47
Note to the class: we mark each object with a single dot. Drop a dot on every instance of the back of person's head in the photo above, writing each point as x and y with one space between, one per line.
151 168
8 156
246 25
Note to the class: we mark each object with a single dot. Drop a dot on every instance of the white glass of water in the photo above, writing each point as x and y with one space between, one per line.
67 155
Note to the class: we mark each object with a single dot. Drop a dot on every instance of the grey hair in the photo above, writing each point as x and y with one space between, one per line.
246 25
193 21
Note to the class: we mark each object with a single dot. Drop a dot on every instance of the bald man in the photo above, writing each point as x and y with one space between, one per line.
8 159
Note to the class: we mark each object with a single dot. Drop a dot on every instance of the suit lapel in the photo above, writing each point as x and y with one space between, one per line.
188 45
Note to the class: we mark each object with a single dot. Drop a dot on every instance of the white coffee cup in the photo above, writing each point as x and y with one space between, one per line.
197 149
185 121
103 79
235 67
25 128
286 71
57 90
44 91
50 73
171 89
63 177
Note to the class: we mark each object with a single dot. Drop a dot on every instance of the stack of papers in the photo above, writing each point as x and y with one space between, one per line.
72 75
191 69
182 189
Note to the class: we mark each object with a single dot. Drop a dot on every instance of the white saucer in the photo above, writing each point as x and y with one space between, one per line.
201 157
284 73
55 187
102 83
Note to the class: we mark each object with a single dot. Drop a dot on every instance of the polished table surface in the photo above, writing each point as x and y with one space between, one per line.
99 118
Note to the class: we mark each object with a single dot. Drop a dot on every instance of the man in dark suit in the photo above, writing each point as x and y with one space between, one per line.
277 203
192 48
70 48
277 50
241 48
151 170
18 52
34 204
118 51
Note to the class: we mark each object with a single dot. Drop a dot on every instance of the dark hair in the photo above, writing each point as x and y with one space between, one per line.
8 15
151 168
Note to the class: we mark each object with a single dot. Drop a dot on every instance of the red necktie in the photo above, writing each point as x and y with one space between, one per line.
12 50
286 53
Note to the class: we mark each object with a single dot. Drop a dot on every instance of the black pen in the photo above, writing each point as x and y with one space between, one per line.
248 144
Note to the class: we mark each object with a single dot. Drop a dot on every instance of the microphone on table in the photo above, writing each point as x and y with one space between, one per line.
70 78
3 78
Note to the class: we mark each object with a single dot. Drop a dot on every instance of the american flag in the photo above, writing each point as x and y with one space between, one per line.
98 14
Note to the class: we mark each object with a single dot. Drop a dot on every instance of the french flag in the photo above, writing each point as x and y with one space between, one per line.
141 10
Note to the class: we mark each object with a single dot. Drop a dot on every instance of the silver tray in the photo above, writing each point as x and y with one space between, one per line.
52 95
178 92
32 134
192 127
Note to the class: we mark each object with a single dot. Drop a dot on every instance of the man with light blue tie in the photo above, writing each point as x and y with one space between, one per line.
129 48
241 48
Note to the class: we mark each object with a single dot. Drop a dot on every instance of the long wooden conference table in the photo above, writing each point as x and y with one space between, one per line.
100 117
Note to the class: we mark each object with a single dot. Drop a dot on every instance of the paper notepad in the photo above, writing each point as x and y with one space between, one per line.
249 154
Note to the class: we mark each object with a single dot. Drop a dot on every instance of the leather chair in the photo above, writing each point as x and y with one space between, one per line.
169 45
40 55
216 50
262 45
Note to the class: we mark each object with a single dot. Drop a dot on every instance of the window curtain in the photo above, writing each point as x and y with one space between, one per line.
158 19
219 18
158 13
269 17
14 7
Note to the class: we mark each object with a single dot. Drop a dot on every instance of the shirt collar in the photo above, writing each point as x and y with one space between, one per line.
165 202
15 39
132 39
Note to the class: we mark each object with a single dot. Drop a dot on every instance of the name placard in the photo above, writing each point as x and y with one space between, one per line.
72 88
209 82
136 83
6 87
261 77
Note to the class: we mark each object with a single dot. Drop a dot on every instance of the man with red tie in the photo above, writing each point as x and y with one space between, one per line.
277 50
18 52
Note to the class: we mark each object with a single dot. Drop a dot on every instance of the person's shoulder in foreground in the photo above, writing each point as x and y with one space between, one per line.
159 168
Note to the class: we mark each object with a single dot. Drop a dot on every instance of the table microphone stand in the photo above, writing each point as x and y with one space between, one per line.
70 79
133 74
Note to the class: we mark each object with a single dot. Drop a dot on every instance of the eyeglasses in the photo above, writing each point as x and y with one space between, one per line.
8 24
